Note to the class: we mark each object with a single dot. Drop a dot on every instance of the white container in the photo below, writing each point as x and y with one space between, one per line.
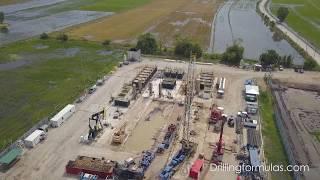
63 115
34 138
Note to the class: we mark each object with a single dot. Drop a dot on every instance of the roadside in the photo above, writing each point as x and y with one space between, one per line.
301 42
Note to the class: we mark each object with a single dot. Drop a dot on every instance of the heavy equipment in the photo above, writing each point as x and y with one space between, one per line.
98 127
215 114
218 152
119 136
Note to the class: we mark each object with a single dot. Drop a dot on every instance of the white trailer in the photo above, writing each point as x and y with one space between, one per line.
63 115
34 138
222 84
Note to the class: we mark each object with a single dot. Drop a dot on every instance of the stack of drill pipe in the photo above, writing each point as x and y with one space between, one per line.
253 138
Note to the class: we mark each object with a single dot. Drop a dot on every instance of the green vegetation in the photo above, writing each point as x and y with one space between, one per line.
184 47
273 147
113 5
304 17
233 55
44 36
1 17
54 75
62 37
147 43
272 58
282 13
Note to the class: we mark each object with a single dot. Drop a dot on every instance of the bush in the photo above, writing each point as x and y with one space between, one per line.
184 47
106 42
310 64
271 57
233 55
1 17
63 37
282 13
44 36
147 44
4 29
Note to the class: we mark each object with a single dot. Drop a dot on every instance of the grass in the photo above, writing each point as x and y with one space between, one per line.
304 18
113 5
7 2
52 80
273 147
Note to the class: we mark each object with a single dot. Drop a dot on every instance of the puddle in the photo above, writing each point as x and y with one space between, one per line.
104 52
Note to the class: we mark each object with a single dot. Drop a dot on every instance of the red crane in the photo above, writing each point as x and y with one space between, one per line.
218 152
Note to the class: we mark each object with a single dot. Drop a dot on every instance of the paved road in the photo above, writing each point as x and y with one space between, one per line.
294 36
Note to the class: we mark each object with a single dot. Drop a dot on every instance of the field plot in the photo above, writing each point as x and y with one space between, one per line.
304 17
299 109
165 18
39 77
6 2
20 30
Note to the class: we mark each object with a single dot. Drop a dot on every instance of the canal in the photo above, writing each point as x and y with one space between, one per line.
238 21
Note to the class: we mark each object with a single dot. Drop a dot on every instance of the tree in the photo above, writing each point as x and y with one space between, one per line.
282 13
286 61
147 43
271 57
44 36
63 37
310 64
1 17
106 42
233 55
184 47
4 29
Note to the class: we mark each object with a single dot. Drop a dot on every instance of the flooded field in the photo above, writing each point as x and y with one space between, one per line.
34 17
238 21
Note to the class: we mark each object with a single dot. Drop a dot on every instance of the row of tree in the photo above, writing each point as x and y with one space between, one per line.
272 58
183 46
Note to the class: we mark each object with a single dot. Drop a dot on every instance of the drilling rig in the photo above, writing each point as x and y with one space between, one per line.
187 145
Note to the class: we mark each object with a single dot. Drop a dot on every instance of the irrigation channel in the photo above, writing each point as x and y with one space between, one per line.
238 21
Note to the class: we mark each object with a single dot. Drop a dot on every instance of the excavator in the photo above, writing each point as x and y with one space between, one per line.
98 127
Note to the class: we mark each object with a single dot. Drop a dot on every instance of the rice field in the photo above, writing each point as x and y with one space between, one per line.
304 17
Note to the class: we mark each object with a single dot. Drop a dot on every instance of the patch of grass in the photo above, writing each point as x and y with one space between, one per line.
113 5
52 80
304 17
7 2
273 147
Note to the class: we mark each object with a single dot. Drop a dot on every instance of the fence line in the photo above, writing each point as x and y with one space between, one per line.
282 130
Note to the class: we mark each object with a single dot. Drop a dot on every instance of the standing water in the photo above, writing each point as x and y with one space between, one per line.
238 21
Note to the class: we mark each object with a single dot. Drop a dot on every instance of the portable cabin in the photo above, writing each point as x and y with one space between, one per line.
251 93
34 138
196 169
63 115
10 158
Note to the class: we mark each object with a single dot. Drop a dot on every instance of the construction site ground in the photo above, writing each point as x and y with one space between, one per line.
146 122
